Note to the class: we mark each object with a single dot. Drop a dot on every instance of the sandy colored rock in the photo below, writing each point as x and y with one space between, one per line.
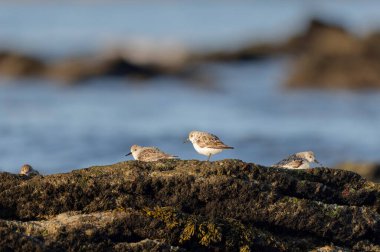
178 205
370 171
16 65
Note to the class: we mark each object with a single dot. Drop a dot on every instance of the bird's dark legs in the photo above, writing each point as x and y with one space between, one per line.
209 156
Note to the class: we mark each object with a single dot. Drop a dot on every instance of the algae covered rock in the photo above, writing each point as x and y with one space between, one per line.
176 205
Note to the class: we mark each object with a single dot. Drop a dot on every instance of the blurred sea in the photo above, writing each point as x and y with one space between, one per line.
59 128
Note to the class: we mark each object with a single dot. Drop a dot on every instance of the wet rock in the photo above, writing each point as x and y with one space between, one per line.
175 205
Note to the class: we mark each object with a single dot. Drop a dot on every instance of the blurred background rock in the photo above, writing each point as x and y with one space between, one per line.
81 82
370 171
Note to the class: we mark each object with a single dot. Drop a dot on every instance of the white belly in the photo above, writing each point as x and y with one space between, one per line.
135 156
304 165
206 151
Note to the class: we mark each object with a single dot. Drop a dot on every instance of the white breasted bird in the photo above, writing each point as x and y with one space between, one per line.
300 160
206 144
149 154
28 170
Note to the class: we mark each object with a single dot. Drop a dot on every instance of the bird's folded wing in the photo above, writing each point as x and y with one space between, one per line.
290 163
152 152
211 141
155 152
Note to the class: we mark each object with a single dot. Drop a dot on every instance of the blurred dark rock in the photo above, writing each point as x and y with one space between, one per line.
370 171
323 56
315 30
175 205
17 65
327 56
249 52
82 69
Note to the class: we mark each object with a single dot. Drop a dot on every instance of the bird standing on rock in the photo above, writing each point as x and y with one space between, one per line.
206 144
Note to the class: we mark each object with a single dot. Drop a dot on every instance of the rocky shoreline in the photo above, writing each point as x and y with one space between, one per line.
324 56
175 205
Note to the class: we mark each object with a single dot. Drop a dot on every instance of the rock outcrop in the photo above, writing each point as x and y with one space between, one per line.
370 171
14 64
329 57
81 69
324 56
175 205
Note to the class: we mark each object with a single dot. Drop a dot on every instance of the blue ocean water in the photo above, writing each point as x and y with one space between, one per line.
58 129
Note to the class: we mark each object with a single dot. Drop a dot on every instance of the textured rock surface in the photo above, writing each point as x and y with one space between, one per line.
190 206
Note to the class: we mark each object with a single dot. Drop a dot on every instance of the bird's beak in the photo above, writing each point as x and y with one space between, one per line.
130 153
186 141
316 161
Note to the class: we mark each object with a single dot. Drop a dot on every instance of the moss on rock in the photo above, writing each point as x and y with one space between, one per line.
191 205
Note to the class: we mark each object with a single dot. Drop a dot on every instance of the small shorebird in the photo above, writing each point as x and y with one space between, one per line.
206 144
148 154
300 160
28 170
